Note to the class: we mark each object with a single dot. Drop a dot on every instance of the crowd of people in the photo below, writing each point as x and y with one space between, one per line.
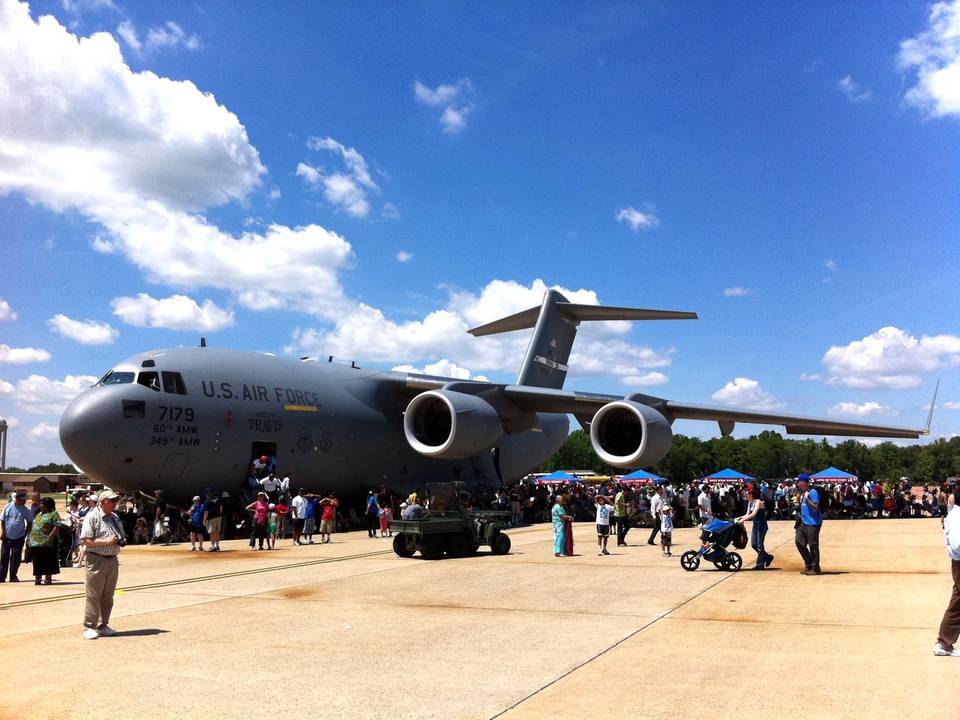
853 500
96 527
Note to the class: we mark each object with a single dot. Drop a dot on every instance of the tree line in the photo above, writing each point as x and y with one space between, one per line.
53 468
769 455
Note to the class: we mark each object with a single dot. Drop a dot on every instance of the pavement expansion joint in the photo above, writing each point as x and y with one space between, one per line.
613 645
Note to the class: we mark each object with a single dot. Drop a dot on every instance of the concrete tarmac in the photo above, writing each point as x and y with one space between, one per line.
349 630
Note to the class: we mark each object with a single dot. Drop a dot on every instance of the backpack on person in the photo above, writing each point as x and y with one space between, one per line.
827 501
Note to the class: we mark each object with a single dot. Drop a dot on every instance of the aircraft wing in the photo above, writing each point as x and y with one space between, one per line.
584 405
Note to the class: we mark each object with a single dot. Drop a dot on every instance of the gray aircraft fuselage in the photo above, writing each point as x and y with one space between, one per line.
332 426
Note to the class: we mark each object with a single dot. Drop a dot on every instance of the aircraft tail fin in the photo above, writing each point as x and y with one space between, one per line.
555 325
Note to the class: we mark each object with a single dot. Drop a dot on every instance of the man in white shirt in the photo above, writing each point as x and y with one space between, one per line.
270 485
704 504
298 511
950 625
656 503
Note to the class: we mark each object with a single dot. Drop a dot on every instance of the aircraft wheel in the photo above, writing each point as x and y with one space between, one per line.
457 545
400 546
500 545
690 560
732 562
431 547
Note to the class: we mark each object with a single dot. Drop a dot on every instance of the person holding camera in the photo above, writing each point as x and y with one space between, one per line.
103 536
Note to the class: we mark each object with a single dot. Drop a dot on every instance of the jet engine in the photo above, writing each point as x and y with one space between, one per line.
450 425
629 434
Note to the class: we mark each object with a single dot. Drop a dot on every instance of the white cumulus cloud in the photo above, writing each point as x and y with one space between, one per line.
177 312
75 7
737 291
169 34
862 409
365 333
46 396
649 379
6 312
140 155
457 101
44 431
22 356
404 256
346 189
12 422
637 220
853 90
934 56
442 368
890 358
5 388
85 332
746 393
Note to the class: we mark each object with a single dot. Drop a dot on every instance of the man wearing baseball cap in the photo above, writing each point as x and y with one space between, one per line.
809 522
103 536
16 522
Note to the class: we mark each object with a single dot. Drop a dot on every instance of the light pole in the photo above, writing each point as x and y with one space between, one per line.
3 444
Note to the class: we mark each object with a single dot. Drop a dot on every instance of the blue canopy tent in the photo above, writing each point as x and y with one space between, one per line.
557 477
729 475
832 474
642 477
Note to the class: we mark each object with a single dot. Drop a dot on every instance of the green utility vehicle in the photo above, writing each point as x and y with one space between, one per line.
447 528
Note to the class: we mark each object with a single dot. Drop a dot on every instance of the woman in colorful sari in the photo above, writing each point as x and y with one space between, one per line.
558 514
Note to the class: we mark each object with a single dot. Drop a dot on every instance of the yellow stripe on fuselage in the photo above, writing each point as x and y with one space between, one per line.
300 408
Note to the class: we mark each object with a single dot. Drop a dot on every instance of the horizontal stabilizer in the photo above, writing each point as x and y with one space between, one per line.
573 311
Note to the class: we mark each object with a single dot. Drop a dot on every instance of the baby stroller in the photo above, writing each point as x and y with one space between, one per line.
717 535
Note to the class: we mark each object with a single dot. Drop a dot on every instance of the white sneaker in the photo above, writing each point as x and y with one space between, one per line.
600 552
940 649
91 634
107 631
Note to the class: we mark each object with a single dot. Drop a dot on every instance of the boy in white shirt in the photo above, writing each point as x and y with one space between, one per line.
666 528
603 524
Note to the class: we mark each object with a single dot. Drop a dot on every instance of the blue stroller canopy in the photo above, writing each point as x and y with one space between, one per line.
716 525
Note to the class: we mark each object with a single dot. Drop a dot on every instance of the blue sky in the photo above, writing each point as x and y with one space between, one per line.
370 179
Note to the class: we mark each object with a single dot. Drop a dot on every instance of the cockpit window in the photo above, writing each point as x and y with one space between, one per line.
117 378
173 383
150 380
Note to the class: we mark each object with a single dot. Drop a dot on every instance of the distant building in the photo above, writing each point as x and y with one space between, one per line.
42 482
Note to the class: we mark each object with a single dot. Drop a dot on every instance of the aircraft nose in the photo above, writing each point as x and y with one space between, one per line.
86 426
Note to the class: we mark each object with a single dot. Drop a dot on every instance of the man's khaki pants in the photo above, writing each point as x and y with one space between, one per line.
101 581
950 626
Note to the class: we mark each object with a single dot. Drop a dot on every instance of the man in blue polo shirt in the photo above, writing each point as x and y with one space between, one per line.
808 529
15 523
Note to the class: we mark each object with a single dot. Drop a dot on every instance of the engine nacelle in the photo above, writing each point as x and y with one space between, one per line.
628 434
450 425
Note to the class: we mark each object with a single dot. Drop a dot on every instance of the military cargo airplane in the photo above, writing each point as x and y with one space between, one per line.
186 418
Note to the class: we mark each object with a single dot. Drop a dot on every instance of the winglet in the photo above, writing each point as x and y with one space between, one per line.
933 404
